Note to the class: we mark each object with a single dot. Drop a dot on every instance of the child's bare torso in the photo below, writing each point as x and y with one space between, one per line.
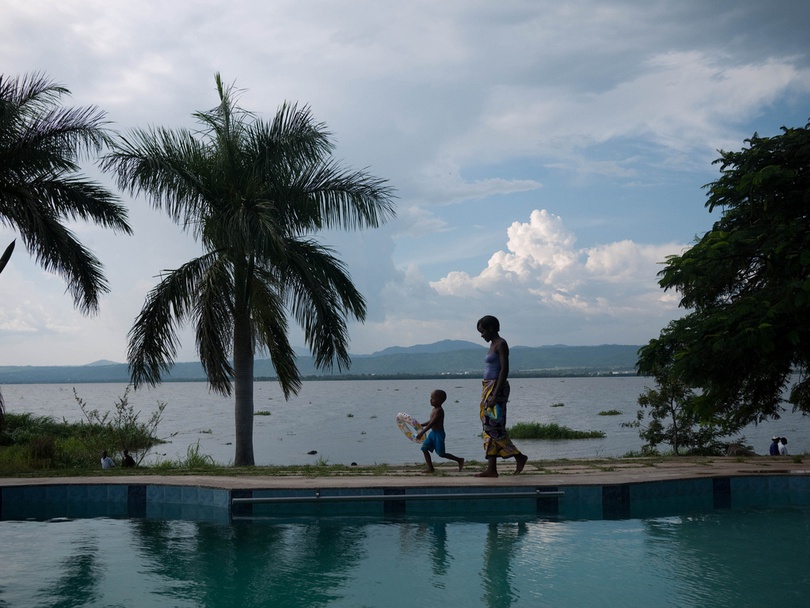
437 419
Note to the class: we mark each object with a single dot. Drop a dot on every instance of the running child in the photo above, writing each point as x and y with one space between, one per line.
435 440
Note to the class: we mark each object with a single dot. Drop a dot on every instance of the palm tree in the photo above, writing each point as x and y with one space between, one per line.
40 188
254 194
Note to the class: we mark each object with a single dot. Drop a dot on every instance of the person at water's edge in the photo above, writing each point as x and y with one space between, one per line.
436 439
494 397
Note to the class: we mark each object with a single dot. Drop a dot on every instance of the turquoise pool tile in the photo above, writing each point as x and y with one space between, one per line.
118 494
749 492
189 495
173 495
215 497
581 502
98 493
799 490
155 494
77 493
56 494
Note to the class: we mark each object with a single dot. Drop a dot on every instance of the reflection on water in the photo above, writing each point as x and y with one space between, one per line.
79 573
741 558
502 539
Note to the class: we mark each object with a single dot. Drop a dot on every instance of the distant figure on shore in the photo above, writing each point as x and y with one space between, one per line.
774 450
129 461
783 446
494 396
435 440
106 461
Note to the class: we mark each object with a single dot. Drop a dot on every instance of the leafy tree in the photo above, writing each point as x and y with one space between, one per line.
748 283
672 418
40 187
254 194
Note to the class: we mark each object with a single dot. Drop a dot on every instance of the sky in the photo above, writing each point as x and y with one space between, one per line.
547 156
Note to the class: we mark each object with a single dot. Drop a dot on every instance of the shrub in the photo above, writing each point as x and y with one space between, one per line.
121 430
39 441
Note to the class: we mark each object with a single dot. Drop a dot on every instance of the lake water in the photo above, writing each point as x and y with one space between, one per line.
354 421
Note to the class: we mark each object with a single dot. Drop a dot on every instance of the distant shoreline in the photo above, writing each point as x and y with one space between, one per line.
351 377
423 362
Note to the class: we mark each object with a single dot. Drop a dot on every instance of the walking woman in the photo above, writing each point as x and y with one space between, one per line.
494 396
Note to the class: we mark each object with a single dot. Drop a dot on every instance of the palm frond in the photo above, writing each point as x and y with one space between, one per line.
170 168
347 199
320 296
78 199
57 249
40 146
270 322
213 311
153 339
7 255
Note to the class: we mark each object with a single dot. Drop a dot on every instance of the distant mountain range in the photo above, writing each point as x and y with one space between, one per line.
445 358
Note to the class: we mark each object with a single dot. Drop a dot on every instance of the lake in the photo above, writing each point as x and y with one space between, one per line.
347 421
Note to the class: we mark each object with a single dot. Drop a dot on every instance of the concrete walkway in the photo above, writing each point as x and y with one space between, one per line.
545 473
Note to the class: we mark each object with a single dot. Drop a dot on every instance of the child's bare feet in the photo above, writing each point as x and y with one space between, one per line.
460 463
521 460
428 471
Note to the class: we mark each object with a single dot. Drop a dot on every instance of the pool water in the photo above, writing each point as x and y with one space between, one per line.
753 557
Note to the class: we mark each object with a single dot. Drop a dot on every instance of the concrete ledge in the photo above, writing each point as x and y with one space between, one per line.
604 490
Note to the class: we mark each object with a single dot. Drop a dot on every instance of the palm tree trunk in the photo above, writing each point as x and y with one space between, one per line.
243 389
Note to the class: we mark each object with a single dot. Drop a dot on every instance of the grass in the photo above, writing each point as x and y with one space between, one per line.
39 442
29 442
558 466
610 413
536 430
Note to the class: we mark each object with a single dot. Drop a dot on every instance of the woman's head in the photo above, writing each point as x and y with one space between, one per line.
488 322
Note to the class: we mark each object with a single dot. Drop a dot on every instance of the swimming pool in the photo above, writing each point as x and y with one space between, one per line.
732 558
720 541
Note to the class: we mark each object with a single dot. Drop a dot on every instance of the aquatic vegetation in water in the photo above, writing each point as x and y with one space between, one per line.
536 430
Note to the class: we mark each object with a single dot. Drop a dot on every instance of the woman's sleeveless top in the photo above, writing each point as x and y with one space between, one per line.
492 366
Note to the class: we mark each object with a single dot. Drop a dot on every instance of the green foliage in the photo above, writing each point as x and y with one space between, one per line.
747 282
610 413
42 448
37 442
121 428
672 419
536 430
194 460
41 189
255 195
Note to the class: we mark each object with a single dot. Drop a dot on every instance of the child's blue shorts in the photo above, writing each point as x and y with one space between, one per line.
435 441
